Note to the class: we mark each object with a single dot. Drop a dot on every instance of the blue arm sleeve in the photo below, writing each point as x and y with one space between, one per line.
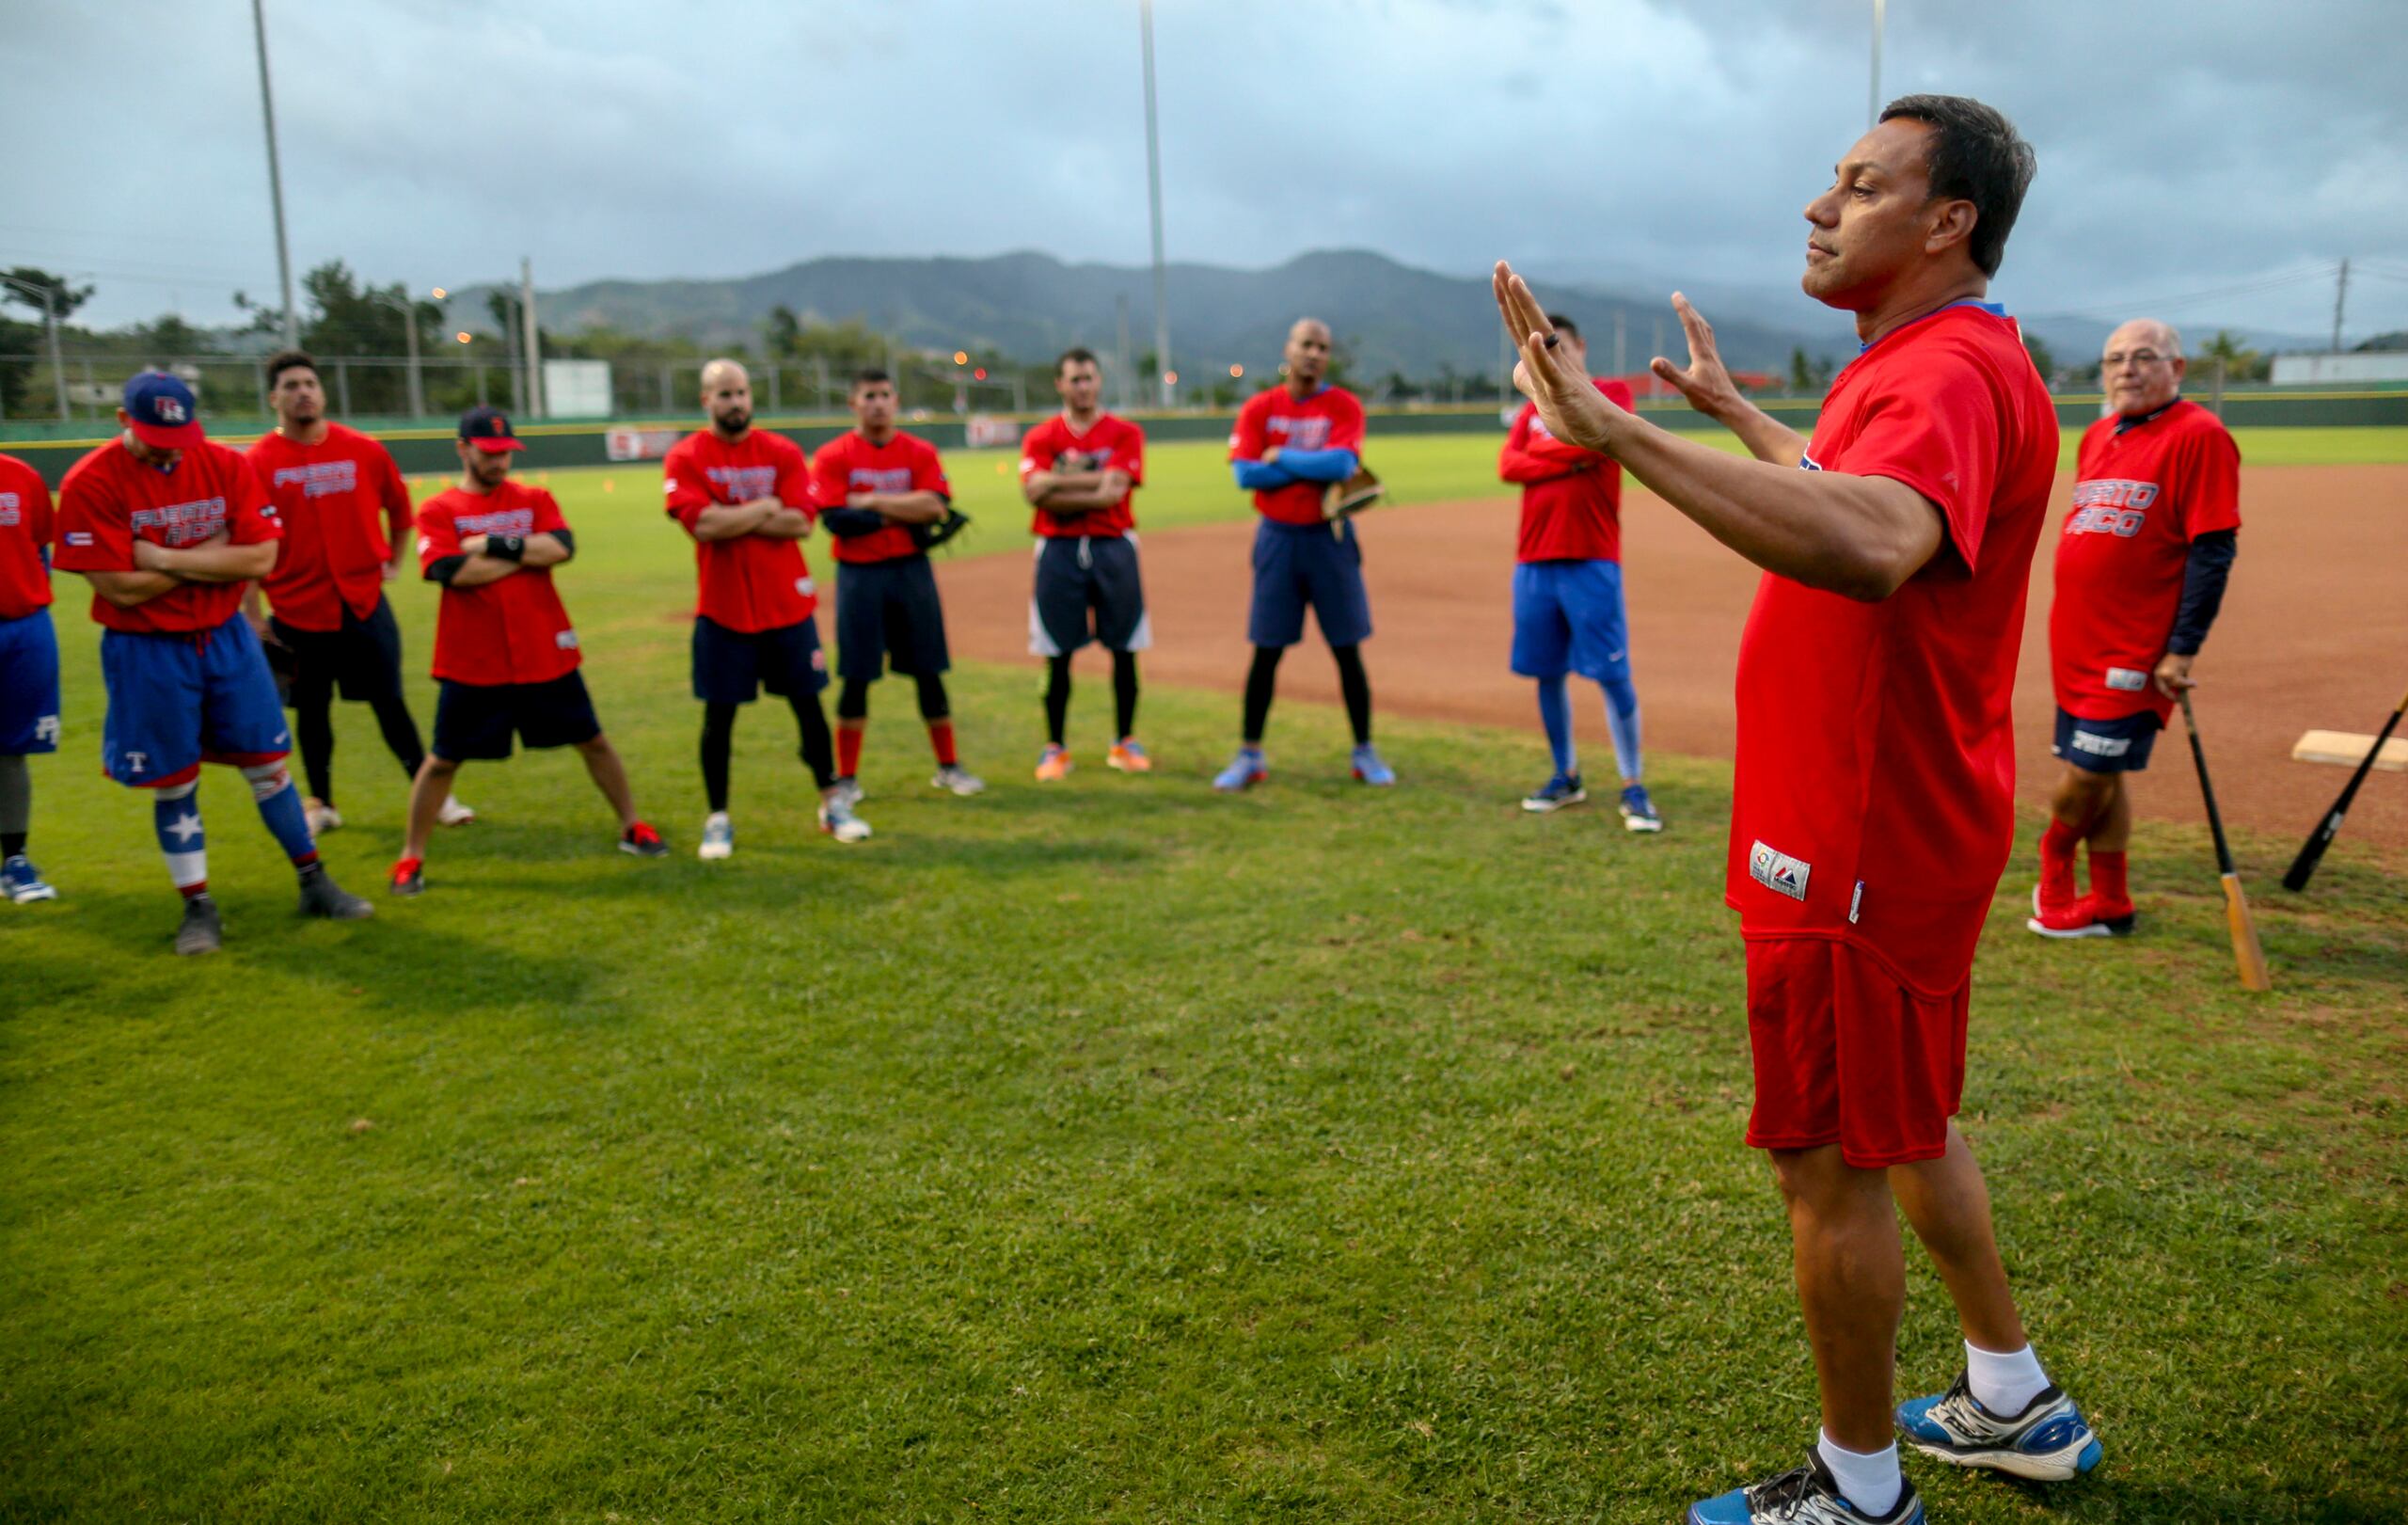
849 522
1256 477
2203 580
1319 465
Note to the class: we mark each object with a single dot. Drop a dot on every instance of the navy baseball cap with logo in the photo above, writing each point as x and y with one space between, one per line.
162 410
488 429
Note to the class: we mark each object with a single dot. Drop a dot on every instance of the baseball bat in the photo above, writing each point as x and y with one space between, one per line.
2245 950
2311 852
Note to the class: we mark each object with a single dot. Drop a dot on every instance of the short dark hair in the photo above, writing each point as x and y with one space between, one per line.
1076 355
1562 324
1977 156
285 359
869 374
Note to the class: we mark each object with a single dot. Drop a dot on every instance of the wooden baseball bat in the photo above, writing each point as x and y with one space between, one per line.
2311 852
2245 951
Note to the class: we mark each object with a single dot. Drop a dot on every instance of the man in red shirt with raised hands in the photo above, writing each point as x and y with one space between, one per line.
1874 807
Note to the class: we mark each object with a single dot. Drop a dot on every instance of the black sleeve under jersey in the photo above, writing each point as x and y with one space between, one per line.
444 568
2203 581
846 523
567 538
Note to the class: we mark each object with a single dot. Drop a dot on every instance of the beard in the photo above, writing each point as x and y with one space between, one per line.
736 423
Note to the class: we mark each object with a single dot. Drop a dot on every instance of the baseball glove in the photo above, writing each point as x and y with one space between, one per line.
1351 496
930 536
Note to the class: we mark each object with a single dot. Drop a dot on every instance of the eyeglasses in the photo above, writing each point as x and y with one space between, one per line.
2138 357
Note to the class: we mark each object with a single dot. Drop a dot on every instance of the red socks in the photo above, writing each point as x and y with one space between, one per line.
2107 883
941 738
848 750
2057 845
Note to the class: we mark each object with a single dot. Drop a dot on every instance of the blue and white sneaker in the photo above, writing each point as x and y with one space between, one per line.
1369 769
719 838
22 882
1561 790
836 818
1638 810
2048 1443
1248 768
1808 1496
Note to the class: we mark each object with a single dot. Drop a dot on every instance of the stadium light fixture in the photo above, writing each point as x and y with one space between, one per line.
439 294
961 356
1236 371
463 335
979 374
1170 378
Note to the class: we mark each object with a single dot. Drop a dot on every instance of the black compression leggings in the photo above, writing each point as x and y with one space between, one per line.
718 744
1263 679
852 700
313 731
1124 695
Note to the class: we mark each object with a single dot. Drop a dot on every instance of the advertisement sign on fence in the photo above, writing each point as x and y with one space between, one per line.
987 432
623 444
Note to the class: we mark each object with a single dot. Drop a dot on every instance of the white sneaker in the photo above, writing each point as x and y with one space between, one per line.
453 813
322 817
837 819
719 838
957 779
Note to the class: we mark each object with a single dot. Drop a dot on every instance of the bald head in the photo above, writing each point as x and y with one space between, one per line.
2141 368
1307 354
727 397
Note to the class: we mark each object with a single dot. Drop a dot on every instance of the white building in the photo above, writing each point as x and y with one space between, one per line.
2353 366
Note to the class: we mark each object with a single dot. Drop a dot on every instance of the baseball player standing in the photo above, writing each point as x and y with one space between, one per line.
2141 572
1874 808
28 669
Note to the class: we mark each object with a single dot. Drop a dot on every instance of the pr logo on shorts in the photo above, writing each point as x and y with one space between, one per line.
1777 871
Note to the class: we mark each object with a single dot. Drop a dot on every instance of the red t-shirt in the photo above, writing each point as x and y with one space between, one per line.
109 499
748 582
24 528
1571 496
1875 777
511 630
1113 445
331 496
850 464
2139 498
1330 418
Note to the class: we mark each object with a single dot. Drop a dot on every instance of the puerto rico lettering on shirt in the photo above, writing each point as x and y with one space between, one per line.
2111 507
319 479
503 521
110 500
739 484
182 524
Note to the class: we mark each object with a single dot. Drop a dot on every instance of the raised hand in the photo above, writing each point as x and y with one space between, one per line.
1573 408
1704 381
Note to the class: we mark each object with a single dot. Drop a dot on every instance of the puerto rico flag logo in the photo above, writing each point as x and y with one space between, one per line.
78 537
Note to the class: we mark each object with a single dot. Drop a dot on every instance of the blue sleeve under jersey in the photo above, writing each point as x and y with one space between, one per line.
1318 464
1256 477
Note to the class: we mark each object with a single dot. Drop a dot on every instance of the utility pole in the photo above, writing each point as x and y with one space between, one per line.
1873 108
1128 377
1622 366
275 178
2340 296
1154 190
533 346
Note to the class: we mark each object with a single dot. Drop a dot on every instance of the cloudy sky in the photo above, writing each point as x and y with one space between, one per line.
2208 146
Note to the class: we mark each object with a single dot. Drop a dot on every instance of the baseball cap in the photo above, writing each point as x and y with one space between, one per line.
165 415
488 429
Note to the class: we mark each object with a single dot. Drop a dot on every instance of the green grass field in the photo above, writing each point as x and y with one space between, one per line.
1108 1151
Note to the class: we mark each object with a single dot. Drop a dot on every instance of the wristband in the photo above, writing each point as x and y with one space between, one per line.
506 548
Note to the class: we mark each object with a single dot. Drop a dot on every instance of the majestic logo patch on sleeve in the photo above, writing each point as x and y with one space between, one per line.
1777 871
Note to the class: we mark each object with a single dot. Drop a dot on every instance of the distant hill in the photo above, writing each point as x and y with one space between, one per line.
1030 307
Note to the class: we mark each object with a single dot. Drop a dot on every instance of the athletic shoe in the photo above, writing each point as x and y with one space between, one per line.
2086 917
848 790
1368 767
201 931
408 877
1248 768
1128 756
1638 810
719 838
837 819
20 882
1561 790
2047 1442
453 813
1807 1496
322 898
322 817
1053 764
954 779
641 840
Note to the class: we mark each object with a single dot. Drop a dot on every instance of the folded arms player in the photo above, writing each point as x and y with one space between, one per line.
28 669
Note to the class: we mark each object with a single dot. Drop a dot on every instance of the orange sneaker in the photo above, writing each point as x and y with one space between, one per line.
1053 766
1129 757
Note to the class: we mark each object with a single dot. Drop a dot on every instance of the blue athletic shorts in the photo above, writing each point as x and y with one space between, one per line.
888 614
178 701
28 685
1301 565
2107 746
1077 576
1568 618
731 667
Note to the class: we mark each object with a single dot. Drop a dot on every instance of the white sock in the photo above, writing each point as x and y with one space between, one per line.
1870 1482
2004 1384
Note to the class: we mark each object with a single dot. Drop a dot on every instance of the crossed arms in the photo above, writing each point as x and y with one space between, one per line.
489 558
159 569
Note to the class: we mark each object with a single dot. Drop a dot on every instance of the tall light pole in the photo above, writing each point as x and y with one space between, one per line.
534 345
275 178
1154 194
1873 108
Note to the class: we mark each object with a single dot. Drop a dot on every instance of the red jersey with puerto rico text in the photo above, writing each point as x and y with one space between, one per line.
850 463
340 498
1571 496
1873 798
24 529
510 631
750 582
1112 444
1330 418
110 500
2141 495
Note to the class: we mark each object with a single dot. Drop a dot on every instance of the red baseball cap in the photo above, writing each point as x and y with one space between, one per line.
164 413
488 429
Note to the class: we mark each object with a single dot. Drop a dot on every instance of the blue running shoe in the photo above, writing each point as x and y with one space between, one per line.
1561 790
1638 810
20 882
1244 771
1805 1496
2048 1443
1368 767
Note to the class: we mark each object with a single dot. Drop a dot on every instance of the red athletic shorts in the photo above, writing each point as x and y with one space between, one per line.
1847 1055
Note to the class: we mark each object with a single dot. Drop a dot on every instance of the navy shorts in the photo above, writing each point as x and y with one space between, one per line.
363 659
1568 618
1300 564
731 667
177 701
28 685
474 722
1090 574
887 613
2107 746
